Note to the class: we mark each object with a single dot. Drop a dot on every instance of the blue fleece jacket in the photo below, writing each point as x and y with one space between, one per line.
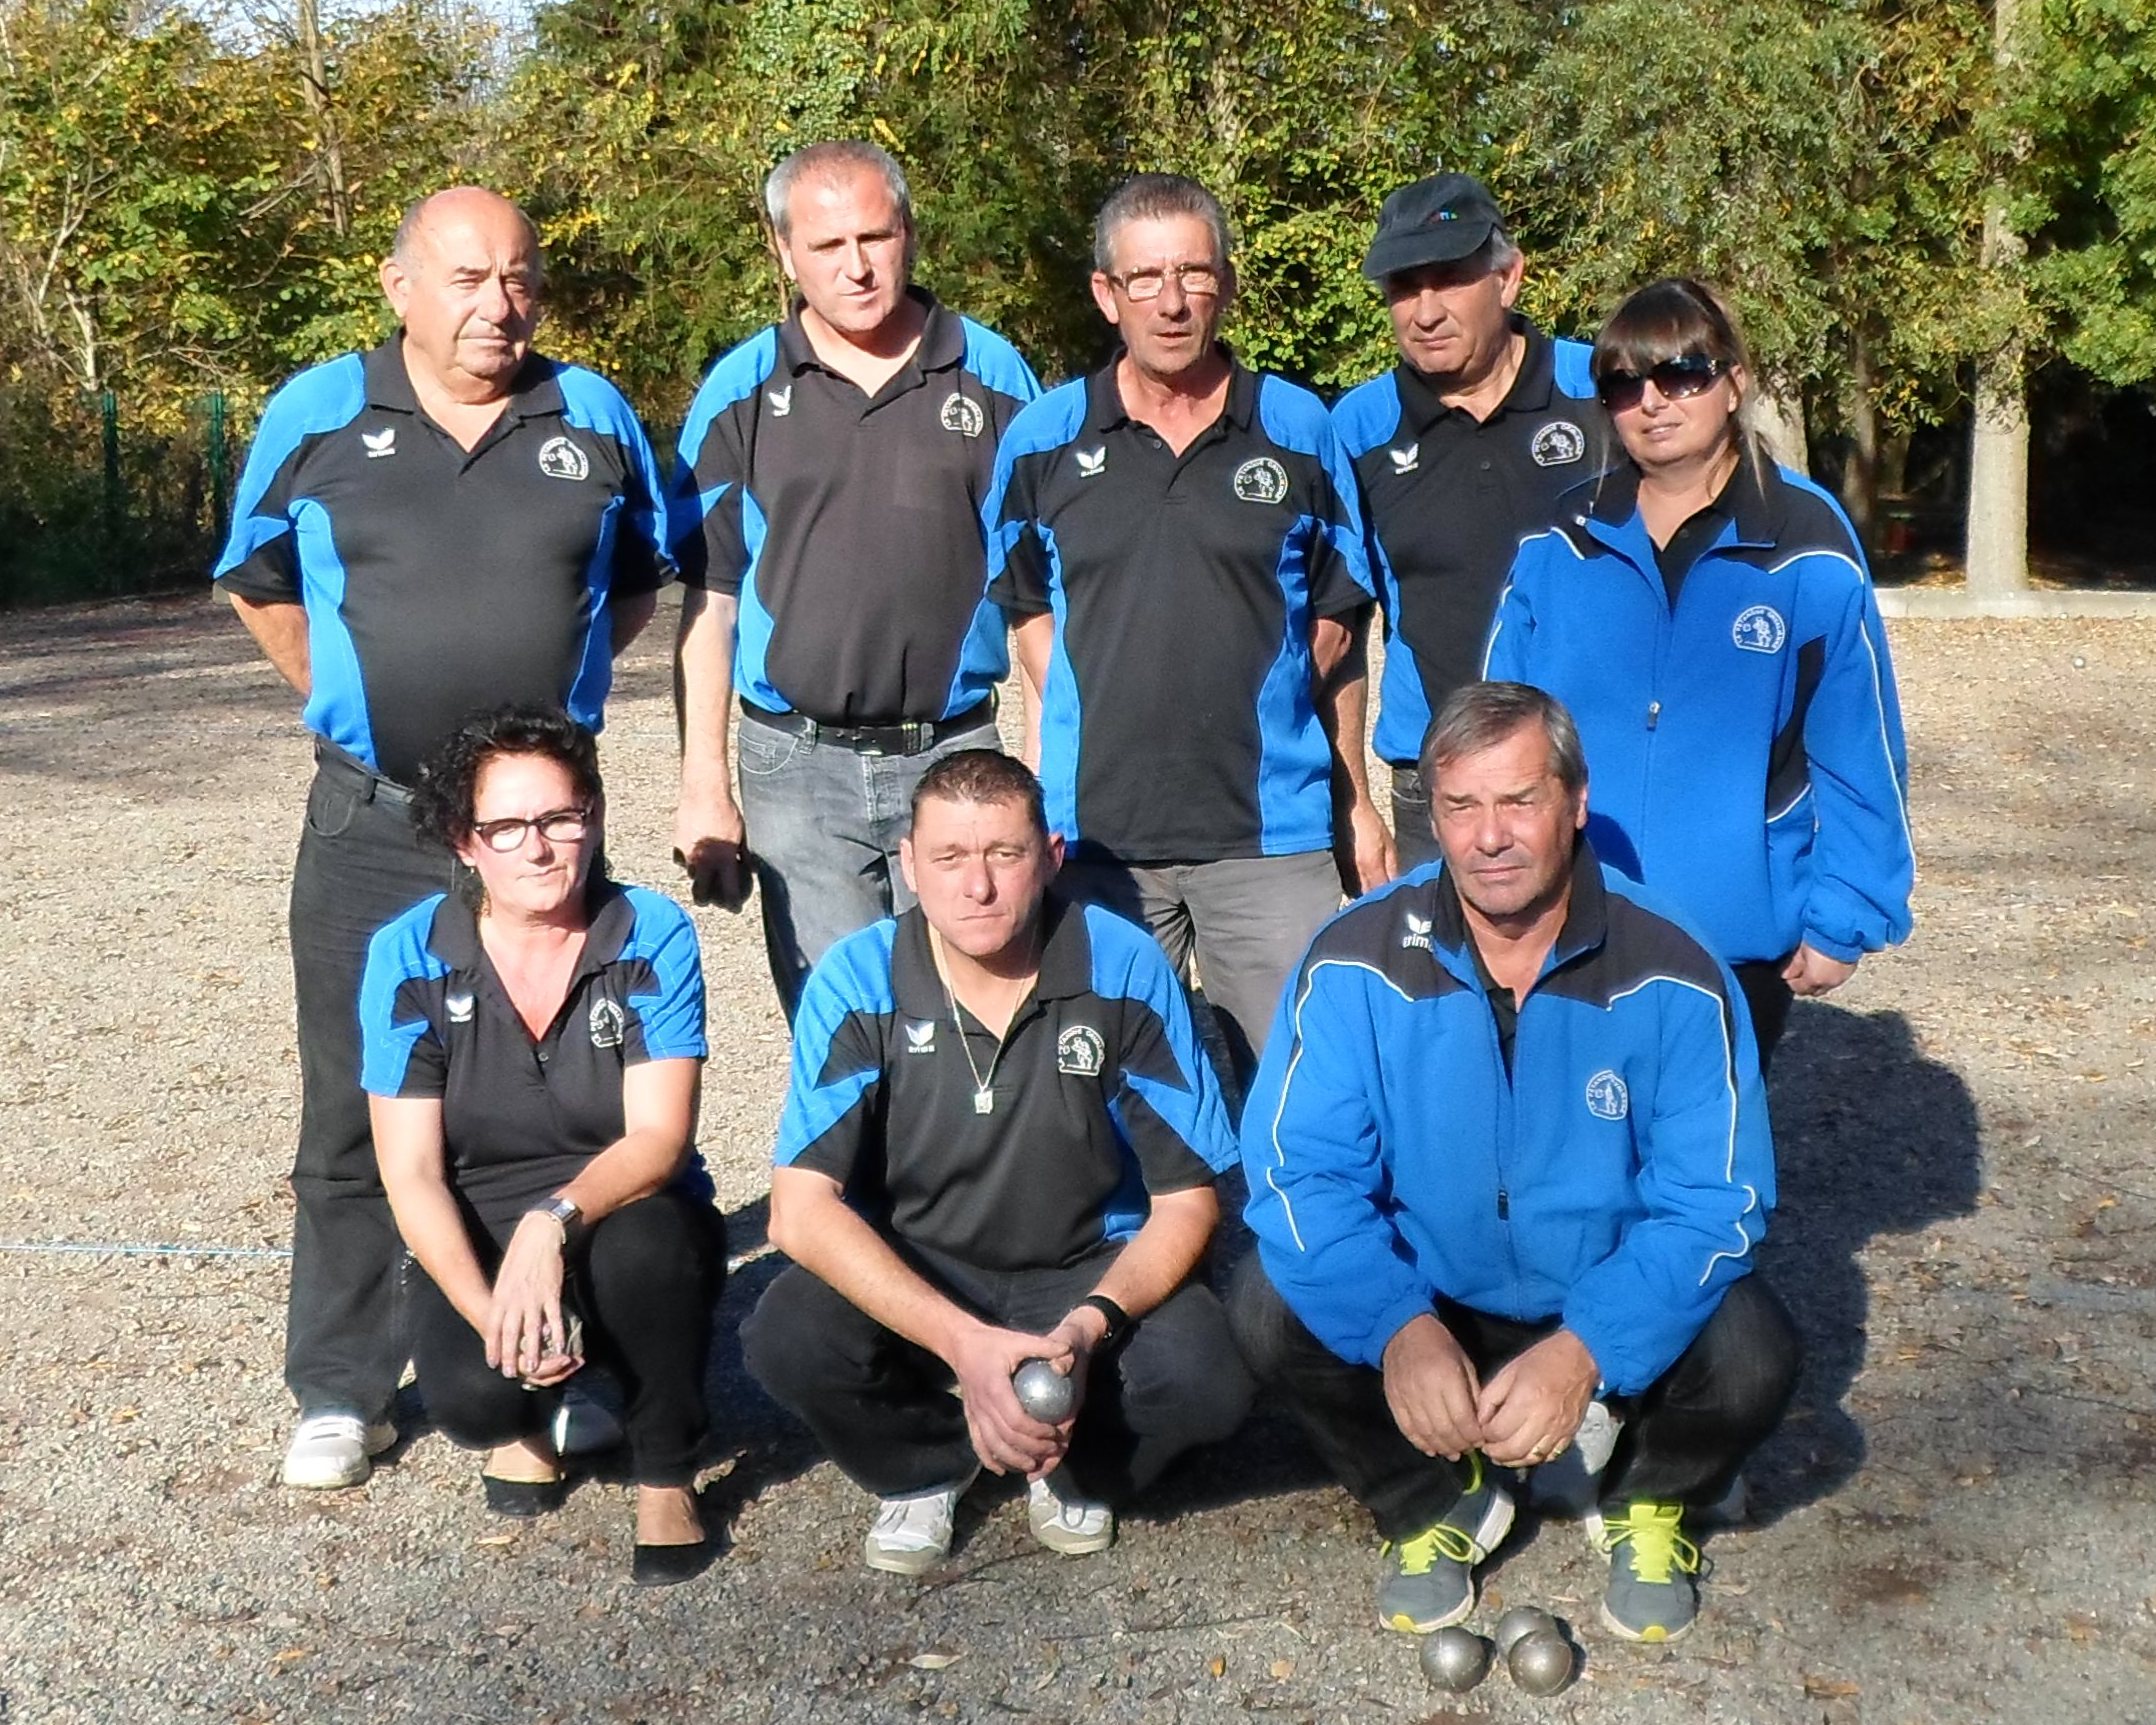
1619 1176
1744 747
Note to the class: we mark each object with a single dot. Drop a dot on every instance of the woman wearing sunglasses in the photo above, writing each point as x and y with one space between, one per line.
1708 618
532 1052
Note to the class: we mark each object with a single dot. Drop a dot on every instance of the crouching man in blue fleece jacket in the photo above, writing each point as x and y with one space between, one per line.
1508 1156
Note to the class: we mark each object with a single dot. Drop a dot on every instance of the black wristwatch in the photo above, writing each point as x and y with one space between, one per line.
1118 1319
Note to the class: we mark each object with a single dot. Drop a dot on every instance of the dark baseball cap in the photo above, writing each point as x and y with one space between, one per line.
1433 221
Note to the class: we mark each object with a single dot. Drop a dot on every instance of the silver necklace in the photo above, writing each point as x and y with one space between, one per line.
984 1083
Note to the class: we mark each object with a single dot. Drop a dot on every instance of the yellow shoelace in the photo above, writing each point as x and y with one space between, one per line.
1658 1541
1443 1540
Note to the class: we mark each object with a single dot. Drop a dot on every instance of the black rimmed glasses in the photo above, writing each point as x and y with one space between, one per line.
556 826
1674 380
1193 279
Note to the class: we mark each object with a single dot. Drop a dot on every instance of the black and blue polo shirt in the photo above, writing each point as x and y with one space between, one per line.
1178 723
521 1118
848 524
1100 1094
1448 499
438 580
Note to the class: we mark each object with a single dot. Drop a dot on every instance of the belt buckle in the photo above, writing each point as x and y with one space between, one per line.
870 747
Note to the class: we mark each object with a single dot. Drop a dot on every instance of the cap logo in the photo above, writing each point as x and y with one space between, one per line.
1261 480
1759 629
1558 444
1435 216
607 1022
1080 1051
1607 1097
1092 463
963 416
561 459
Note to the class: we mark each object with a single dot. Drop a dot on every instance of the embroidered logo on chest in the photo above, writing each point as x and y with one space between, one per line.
781 400
1607 1097
921 1038
1759 629
1558 444
1261 480
561 459
1092 463
1405 460
380 443
963 416
1418 933
459 1008
607 1023
1080 1051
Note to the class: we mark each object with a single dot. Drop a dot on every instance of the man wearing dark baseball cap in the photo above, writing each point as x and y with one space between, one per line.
1462 450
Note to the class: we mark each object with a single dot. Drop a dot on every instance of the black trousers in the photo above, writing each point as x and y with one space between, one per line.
1769 998
359 864
1412 838
883 1410
1683 1441
645 1279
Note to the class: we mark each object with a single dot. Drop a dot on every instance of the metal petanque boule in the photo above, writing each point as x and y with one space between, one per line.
1540 1662
1519 1622
1044 1392
1455 1659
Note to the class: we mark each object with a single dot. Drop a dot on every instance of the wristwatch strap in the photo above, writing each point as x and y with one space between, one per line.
1118 1319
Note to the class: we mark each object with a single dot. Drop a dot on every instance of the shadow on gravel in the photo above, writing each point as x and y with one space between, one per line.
1871 1138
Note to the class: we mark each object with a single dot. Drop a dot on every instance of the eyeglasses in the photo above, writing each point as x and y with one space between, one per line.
556 826
1193 279
1674 380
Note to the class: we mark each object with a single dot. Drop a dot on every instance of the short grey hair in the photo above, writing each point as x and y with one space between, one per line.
1500 251
1154 197
830 160
1479 716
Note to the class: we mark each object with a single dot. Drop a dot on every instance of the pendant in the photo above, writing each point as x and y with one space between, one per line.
984 1101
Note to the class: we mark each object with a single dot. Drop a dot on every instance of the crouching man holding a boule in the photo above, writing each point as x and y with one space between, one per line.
999 1146
1508 1155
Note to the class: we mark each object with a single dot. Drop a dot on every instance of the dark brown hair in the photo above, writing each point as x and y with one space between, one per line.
983 776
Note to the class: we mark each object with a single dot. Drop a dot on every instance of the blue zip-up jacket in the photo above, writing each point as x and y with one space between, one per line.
1744 749
1619 1177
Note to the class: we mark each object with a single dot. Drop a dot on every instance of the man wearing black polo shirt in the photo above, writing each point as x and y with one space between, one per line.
828 525
1000 1145
446 523
1461 449
1177 540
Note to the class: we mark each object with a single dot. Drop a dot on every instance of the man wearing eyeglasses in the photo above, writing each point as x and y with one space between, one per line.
1177 542
447 523
1462 450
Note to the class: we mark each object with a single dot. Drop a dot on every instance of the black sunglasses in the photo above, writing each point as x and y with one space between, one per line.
1674 380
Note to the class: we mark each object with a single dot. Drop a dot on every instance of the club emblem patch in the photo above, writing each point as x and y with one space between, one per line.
963 416
1759 629
1607 1097
607 1022
1080 1051
459 1008
1261 480
921 1038
561 459
1558 444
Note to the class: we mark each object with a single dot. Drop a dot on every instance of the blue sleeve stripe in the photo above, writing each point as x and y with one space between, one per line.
1368 415
1127 964
397 954
319 400
1295 420
852 980
673 1012
997 363
588 400
336 691
754 624
1046 423
1062 717
737 376
1574 366
1294 759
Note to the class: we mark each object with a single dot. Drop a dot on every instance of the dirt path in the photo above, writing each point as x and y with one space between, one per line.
1953 1525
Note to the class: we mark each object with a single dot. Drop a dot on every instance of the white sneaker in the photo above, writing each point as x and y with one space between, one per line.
1065 1522
329 1451
911 1535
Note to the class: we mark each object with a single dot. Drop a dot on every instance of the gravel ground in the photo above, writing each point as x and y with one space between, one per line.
1952 1525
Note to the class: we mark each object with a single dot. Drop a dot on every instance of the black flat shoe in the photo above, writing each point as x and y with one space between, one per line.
524 1498
668 1565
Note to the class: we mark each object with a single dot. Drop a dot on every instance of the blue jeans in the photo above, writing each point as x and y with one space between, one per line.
1412 839
823 827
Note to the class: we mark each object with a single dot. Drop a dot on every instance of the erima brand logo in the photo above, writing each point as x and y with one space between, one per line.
561 459
459 1008
781 400
1418 933
921 1038
1080 1051
1759 629
380 443
1092 463
1607 1097
1404 460
963 416
606 1023
1558 444
1261 480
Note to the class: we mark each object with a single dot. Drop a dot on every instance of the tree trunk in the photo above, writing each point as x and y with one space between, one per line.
1778 414
1860 467
1998 519
314 82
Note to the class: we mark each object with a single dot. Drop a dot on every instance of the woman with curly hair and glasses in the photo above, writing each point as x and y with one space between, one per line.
1708 618
533 1048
